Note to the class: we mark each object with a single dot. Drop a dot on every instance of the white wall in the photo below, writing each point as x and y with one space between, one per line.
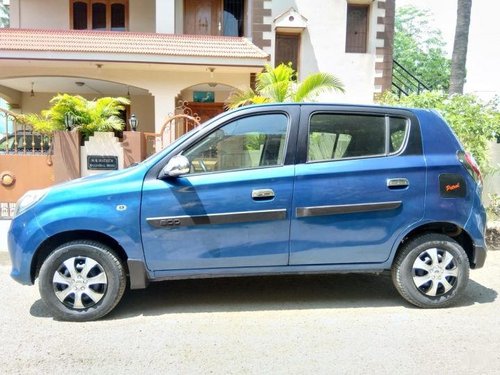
143 107
322 47
142 16
46 14
165 16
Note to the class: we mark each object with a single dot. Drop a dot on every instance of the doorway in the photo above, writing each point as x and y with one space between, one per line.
214 17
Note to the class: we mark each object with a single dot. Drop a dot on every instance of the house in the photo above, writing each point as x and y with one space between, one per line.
162 52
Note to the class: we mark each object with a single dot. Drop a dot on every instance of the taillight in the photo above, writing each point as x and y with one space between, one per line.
471 165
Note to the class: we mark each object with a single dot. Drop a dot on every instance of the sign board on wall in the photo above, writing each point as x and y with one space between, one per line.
101 153
102 162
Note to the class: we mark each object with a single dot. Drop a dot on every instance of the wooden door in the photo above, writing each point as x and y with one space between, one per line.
202 17
287 49
357 28
206 111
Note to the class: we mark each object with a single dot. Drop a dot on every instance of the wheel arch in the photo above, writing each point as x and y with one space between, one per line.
53 242
452 230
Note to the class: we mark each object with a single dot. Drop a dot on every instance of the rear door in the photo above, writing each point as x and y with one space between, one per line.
360 181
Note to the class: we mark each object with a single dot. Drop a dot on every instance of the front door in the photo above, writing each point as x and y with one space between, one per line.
232 209
202 17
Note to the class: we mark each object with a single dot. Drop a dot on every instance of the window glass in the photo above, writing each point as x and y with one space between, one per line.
79 16
249 142
233 18
338 136
118 17
103 14
398 131
99 16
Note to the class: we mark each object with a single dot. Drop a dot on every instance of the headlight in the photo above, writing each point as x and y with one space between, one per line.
28 200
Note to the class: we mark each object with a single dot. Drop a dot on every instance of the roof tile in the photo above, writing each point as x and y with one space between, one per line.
128 42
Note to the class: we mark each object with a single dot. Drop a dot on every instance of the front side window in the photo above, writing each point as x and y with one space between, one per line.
341 136
249 142
99 14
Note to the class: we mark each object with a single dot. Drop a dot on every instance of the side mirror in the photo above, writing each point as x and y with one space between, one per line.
177 166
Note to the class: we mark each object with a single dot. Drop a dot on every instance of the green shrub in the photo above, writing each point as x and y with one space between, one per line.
475 122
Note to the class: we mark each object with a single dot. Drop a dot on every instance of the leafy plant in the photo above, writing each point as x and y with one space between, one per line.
420 47
279 84
476 123
88 116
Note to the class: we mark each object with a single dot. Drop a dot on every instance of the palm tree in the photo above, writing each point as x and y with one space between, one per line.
459 56
279 84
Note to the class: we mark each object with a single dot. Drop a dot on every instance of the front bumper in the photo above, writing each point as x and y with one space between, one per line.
23 239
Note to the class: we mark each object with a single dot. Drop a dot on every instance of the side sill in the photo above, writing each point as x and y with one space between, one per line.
137 274
267 271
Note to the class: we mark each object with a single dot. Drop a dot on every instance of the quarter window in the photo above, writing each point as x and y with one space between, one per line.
340 136
249 142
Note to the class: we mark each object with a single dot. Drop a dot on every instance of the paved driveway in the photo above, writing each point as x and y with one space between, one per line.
354 324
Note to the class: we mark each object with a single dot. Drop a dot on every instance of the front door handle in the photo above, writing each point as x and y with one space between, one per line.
262 194
398 183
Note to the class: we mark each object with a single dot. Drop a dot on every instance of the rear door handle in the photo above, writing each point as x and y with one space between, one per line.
398 183
262 194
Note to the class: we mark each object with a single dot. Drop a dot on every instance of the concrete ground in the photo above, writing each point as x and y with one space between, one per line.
342 324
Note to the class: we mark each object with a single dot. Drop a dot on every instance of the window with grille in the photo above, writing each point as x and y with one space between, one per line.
233 17
357 28
99 15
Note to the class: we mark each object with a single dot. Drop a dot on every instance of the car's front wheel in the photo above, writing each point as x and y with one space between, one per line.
431 271
81 281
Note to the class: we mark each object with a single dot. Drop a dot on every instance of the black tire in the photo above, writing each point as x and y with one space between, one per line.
431 271
81 281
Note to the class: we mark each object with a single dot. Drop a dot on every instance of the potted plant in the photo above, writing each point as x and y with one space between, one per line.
87 116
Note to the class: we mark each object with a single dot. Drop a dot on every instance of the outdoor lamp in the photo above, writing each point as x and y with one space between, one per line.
68 120
133 122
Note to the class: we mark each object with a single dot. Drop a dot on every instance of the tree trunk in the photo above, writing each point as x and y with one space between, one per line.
459 57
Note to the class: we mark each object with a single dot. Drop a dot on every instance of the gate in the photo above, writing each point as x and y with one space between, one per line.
182 121
25 161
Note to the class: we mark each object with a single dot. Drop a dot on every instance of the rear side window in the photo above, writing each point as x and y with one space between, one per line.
341 136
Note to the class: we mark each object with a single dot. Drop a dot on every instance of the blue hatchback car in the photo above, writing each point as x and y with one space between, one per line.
264 190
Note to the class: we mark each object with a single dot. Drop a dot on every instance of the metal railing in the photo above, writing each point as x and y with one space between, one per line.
175 126
18 138
404 82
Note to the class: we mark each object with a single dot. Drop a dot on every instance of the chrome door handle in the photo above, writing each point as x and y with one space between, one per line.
262 194
398 183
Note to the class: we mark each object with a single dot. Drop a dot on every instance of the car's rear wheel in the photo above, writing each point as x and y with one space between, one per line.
431 271
81 281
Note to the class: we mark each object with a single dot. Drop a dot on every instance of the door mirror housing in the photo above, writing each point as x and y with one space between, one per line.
177 166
